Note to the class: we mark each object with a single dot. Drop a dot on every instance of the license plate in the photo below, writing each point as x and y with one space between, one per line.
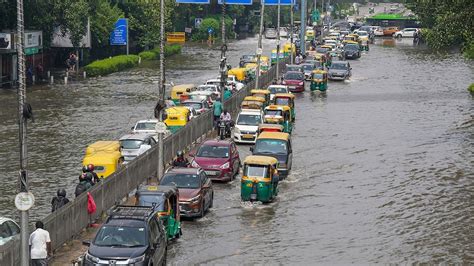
211 172
292 87
247 136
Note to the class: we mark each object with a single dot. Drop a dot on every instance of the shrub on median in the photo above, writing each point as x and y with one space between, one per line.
110 65
155 53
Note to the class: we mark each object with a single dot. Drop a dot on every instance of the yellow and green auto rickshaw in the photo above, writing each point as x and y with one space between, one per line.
240 73
165 201
257 105
274 56
264 64
260 179
319 80
279 114
286 99
176 117
289 48
265 94
309 35
180 90
105 156
269 128
255 99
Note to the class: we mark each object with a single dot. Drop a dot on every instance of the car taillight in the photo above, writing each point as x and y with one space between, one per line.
301 83
284 82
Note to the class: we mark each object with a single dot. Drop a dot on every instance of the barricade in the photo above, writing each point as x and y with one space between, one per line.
70 220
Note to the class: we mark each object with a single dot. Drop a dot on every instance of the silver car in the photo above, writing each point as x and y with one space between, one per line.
339 70
132 145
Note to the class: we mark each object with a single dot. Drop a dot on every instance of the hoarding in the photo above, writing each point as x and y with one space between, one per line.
235 2
276 2
5 41
119 33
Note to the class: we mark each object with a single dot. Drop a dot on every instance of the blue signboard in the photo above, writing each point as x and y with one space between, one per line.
193 1
119 34
276 2
235 2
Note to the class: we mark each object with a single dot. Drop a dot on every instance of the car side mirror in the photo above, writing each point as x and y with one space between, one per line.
86 243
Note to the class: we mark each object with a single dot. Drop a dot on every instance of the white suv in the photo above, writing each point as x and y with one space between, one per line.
246 125
407 32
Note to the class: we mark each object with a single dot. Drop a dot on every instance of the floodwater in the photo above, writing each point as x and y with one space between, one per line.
383 166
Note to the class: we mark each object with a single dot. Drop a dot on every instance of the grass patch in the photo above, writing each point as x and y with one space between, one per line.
111 65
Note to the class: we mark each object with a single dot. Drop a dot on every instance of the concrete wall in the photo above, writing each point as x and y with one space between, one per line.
71 219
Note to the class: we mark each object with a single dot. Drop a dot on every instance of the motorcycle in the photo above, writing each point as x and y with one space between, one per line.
225 128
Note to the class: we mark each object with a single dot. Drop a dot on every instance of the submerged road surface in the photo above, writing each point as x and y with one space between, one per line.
383 169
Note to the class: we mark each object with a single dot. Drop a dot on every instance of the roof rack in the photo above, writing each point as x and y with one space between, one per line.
131 212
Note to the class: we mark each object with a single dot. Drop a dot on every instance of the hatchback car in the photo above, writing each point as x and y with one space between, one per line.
339 70
351 51
246 125
132 145
199 105
9 230
219 158
294 80
308 69
212 88
132 235
196 194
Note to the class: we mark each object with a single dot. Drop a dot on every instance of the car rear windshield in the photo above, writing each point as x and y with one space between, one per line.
351 47
273 112
275 90
149 200
121 236
145 126
338 66
196 106
294 76
308 67
270 146
209 151
181 180
131 144
282 101
322 50
249 120
256 170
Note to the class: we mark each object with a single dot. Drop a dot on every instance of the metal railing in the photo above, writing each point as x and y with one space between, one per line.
71 219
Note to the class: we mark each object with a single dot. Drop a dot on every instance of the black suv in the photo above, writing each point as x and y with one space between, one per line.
132 235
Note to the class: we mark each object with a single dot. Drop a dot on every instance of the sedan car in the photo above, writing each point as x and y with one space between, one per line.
132 145
196 194
219 158
339 70
294 80
351 51
210 87
270 33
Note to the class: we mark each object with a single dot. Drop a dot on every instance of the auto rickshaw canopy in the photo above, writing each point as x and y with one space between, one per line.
260 160
274 135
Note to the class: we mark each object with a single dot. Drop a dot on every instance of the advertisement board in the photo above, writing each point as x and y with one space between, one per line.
34 39
64 40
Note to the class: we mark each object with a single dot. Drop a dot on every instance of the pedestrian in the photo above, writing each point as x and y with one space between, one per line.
227 94
39 72
169 102
72 61
217 110
40 245
95 177
59 200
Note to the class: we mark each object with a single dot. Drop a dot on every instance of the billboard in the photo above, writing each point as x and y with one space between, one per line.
5 40
235 2
276 2
34 39
119 34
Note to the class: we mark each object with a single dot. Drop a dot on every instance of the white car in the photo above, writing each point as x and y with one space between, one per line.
210 87
378 31
274 89
132 145
233 80
406 32
9 230
246 125
216 82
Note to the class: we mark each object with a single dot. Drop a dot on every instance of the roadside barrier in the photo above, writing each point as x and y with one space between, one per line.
71 219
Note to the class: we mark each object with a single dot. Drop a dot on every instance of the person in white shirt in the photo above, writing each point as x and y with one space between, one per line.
40 245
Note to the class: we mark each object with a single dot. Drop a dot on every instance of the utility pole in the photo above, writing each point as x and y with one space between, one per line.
259 48
303 27
161 101
23 178
223 63
278 43
291 32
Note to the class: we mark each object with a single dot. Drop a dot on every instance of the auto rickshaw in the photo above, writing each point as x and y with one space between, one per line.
251 105
179 90
351 37
264 64
309 35
165 201
364 46
289 48
251 69
279 114
255 99
269 128
274 56
319 80
260 179
286 99
240 73
262 93
105 156
176 117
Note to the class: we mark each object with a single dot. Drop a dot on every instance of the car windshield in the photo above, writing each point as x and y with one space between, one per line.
196 106
208 151
256 170
121 236
249 120
131 143
362 33
275 90
273 112
308 67
145 126
293 68
248 57
270 146
351 47
149 200
206 88
180 180
294 76
321 50
282 101
338 66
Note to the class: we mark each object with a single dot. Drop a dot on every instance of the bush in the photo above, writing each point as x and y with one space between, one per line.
201 32
471 89
469 51
155 53
147 55
111 65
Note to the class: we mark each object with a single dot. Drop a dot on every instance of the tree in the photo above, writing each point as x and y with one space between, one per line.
76 14
103 17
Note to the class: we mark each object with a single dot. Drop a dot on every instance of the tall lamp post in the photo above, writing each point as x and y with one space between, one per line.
259 48
223 63
278 43
161 101
303 27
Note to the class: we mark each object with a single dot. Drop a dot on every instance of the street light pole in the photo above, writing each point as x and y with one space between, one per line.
291 32
259 46
278 43
303 27
161 89
23 178
223 63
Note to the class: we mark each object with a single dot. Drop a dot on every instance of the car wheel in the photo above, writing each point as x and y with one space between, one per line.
201 214
212 201
399 36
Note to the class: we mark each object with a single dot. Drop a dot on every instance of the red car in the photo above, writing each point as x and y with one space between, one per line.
196 194
219 158
294 80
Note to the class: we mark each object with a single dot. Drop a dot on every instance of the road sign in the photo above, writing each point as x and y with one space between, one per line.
24 201
119 34
235 2
210 30
31 50
197 22
160 127
281 2
193 1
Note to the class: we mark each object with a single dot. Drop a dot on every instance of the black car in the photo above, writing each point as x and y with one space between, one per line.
132 235
351 51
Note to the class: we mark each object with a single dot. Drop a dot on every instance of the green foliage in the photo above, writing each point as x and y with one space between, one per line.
111 65
155 53
469 51
148 55
76 13
201 32
102 22
471 89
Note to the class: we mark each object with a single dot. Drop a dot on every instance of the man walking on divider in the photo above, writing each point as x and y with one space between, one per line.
217 111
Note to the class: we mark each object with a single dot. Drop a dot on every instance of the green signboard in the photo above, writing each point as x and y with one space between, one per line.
315 16
31 50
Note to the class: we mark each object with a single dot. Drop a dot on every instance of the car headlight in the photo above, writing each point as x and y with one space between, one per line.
137 259
224 166
92 258
236 130
195 164
195 199
301 83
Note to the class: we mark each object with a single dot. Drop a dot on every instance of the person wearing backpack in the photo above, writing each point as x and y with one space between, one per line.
83 185
59 200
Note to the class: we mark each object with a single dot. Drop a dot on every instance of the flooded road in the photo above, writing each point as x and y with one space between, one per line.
383 167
